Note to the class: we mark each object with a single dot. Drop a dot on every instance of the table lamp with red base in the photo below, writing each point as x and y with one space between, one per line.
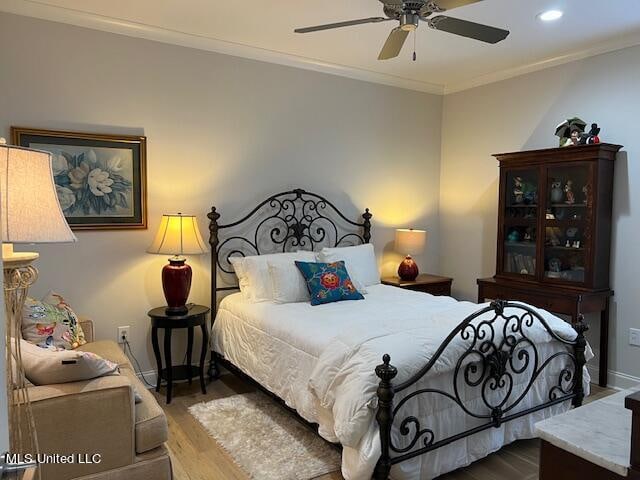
177 235
409 241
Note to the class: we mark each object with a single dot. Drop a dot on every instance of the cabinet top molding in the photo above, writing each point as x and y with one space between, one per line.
605 151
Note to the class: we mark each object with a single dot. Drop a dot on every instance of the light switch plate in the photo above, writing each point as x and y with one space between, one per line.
634 337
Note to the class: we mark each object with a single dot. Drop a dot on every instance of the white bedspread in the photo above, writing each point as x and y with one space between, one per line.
321 361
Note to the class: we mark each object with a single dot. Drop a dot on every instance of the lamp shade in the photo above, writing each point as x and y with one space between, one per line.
178 235
30 210
409 241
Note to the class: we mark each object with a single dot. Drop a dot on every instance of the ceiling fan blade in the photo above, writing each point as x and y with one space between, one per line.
393 3
464 28
348 23
394 44
449 4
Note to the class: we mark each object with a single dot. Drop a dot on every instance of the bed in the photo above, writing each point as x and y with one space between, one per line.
465 380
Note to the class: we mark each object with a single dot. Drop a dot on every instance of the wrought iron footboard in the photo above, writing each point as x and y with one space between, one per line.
490 363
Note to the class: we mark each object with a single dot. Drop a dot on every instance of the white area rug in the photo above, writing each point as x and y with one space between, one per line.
265 440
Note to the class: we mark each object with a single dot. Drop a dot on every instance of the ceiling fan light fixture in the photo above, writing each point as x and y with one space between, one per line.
408 14
550 15
409 22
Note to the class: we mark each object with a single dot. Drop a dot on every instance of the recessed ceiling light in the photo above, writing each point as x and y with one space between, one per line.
550 15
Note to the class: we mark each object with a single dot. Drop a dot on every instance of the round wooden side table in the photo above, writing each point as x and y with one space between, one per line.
196 316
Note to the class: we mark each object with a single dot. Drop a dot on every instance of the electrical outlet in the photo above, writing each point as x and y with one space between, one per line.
123 332
634 337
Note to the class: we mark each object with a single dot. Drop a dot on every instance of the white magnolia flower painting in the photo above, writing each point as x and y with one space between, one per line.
92 181
100 179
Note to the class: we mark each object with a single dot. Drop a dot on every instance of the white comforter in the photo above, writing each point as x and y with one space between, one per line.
327 355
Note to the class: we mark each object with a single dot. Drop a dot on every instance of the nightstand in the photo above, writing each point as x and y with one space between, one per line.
195 317
433 284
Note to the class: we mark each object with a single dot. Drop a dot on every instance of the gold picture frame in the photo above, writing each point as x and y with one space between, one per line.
101 179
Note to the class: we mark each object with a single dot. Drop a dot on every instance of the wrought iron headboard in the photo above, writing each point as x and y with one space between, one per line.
296 219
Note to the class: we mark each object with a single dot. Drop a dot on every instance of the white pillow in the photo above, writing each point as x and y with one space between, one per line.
243 279
360 262
44 366
288 283
253 272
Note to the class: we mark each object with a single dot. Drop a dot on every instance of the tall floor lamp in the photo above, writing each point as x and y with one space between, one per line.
29 213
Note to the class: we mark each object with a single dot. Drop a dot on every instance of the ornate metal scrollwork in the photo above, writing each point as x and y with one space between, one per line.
287 221
19 277
283 222
500 361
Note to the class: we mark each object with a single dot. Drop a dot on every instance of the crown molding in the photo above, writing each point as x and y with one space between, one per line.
32 8
611 46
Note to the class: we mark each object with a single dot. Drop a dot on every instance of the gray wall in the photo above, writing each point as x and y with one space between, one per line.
221 130
521 114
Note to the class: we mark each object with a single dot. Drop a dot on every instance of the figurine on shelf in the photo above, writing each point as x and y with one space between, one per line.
568 190
553 236
528 234
576 137
593 135
555 266
572 236
514 236
524 192
556 192
585 192
518 190
571 131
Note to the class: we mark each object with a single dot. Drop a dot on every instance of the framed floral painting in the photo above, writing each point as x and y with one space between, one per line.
100 179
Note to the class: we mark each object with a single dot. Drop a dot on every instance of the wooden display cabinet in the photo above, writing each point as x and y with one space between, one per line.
554 231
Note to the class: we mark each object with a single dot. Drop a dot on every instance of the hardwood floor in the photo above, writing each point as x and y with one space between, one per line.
196 456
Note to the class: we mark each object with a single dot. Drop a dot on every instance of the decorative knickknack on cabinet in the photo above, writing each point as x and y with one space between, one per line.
554 233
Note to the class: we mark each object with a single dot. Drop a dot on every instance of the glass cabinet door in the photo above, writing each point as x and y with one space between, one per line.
567 228
520 222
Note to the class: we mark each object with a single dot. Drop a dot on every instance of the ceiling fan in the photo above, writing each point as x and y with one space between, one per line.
409 14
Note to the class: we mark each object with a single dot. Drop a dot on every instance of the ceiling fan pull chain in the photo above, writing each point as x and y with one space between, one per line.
415 33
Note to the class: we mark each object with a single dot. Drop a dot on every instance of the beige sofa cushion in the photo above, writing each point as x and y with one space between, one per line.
151 424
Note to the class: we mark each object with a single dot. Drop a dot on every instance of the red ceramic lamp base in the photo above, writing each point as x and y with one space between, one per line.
408 269
176 283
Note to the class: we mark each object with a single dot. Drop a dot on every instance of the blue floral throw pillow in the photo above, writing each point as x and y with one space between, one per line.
328 282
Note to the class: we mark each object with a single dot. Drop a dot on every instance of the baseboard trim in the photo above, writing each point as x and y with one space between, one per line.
615 380
150 375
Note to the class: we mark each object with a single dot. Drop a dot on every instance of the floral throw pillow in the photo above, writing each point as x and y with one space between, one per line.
51 323
328 282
